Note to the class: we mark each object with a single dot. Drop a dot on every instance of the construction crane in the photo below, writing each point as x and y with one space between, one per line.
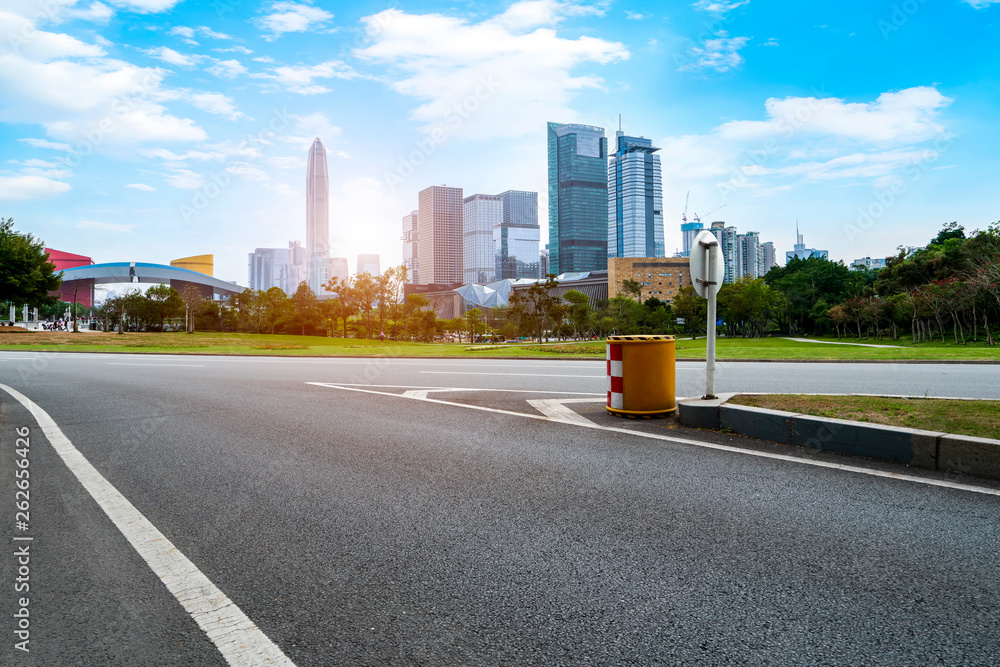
684 216
697 219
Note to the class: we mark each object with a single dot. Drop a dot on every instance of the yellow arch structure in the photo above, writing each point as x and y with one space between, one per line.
200 263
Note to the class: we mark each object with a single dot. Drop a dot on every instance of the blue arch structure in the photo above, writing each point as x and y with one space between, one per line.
143 272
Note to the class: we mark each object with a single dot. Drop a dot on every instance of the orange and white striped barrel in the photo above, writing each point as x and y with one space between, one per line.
641 376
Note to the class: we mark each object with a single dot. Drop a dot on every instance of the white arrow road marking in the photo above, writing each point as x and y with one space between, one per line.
556 410
241 642
693 443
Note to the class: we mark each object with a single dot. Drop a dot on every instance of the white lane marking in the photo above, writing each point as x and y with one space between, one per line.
556 410
114 363
519 391
695 443
233 633
530 375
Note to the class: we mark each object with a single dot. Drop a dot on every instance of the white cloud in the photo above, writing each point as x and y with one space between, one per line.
721 54
636 16
299 78
904 116
141 186
42 143
501 77
145 6
22 188
95 226
720 7
184 179
236 49
812 140
98 12
981 4
172 57
308 128
184 32
291 17
82 97
218 104
226 69
773 41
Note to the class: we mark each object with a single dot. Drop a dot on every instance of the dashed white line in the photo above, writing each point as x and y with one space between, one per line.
241 642
115 363
530 375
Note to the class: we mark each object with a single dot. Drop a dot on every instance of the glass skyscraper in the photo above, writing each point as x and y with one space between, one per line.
516 239
635 199
481 214
578 198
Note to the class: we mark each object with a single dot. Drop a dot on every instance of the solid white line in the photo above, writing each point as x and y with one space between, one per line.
530 375
695 443
233 633
113 363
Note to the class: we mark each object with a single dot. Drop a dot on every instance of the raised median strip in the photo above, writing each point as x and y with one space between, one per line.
933 450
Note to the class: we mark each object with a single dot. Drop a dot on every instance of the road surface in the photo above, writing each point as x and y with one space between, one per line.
345 512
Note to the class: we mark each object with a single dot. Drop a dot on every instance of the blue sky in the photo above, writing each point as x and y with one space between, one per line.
153 129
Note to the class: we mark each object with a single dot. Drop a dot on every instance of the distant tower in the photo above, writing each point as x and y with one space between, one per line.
481 214
635 199
317 216
516 240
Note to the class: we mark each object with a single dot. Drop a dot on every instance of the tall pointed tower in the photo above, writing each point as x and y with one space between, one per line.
317 215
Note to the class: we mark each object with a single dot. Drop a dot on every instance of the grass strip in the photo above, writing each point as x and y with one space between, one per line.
963 417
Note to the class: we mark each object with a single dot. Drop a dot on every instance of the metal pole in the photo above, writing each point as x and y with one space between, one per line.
710 345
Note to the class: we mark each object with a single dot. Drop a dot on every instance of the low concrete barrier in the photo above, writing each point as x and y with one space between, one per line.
924 449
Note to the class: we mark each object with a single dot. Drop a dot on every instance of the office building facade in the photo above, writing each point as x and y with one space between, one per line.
658 277
439 247
578 198
481 215
516 240
635 199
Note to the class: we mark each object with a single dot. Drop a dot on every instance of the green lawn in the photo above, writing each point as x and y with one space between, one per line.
976 418
266 344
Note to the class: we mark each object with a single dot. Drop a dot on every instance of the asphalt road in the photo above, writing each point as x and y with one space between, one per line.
371 519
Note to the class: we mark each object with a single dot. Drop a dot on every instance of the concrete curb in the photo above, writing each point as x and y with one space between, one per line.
925 449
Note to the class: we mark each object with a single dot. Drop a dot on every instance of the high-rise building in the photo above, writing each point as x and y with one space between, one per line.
339 268
369 264
317 215
801 251
481 215
516 239
689 232
635 199
543 262
727 240
578 198
298 266
868 263
268 267
439 251
769 259
747 256
410 225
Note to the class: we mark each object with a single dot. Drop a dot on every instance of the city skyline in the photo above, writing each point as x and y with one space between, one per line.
154 129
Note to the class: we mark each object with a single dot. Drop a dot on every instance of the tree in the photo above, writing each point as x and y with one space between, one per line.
26 275
530 307
691 307
275 307
305 308
474 323
579 310
344 304
192 299
415 310
164 302
366 291
390 290
632 288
